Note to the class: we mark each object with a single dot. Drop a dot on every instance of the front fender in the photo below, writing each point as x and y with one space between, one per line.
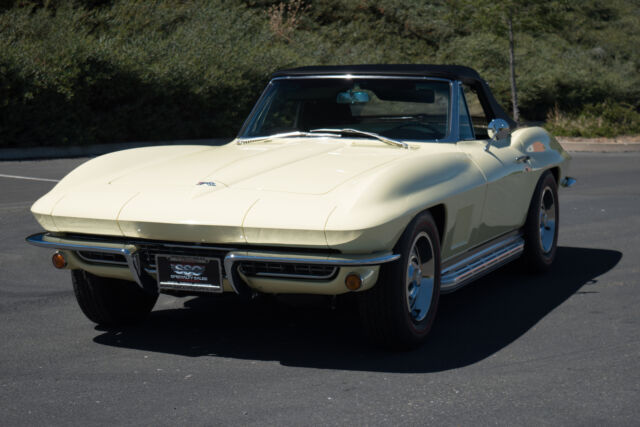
386 202
100 171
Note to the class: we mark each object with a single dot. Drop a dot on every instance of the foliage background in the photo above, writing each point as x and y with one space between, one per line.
95 71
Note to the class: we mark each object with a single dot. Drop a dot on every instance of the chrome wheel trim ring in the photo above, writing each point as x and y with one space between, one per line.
547 220
420 277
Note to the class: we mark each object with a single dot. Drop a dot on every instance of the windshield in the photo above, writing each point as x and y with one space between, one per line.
399 108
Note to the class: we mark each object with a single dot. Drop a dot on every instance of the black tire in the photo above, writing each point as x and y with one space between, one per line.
385 309
111 302
540 248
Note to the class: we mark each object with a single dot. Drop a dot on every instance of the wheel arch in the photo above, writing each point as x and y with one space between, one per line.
555 171
439 214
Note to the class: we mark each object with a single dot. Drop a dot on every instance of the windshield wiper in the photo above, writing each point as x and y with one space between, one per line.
324 132
355 132
295 133
292 134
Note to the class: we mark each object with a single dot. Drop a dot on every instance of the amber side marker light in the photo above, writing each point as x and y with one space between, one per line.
58 260
353 282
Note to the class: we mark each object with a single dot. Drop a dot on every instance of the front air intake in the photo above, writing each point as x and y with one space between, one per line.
287 270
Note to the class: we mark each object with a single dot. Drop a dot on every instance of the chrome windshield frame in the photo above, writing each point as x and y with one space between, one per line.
453 134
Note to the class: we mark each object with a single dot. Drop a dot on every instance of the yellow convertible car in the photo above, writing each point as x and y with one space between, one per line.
393 182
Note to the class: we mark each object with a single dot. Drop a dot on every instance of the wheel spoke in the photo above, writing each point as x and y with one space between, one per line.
420 273
547 220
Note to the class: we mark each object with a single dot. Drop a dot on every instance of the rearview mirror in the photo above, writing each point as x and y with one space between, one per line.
352 97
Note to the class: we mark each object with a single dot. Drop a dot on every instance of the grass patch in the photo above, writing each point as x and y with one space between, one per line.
595 120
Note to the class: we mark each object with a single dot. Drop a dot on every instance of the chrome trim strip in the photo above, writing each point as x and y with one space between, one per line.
38 239
469 253
133 261
568 181
294 276
337 261
360 76
234 257
191 288
454 114
480 263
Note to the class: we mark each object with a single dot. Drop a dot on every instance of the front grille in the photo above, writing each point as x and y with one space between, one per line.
102 257
287 270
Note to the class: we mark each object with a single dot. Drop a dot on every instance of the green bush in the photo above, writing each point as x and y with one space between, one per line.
131 72
97 71
596 120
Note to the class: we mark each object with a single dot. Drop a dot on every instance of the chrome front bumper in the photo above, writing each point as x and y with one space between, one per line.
131 251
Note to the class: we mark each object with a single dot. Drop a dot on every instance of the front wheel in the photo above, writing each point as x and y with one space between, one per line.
111 302
399 310
541 228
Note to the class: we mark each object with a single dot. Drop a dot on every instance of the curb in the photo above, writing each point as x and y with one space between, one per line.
599 147
34 153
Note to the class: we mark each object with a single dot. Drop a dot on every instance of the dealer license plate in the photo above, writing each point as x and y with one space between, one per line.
189 273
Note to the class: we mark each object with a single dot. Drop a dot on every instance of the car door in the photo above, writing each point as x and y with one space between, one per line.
504 167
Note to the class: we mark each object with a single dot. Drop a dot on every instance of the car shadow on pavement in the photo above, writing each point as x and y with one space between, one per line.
471 324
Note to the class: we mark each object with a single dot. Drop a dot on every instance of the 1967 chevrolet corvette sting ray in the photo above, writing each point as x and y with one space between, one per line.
394 182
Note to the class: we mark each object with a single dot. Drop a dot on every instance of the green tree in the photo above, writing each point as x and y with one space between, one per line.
508 18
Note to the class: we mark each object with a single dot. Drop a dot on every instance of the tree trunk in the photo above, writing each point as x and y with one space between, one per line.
512 67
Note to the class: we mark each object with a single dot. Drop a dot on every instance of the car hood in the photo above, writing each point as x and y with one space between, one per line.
251 193
302 166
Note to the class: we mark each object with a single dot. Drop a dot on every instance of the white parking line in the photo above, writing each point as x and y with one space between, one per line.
30 178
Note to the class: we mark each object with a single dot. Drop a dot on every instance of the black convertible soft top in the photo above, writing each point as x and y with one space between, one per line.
453 72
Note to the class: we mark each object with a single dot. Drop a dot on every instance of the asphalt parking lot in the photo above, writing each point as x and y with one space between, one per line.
510 349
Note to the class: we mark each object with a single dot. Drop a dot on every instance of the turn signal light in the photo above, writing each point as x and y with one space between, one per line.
353 282
58 260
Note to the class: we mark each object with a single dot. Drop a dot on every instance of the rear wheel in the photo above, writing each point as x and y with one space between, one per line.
111 302
541 228
399 310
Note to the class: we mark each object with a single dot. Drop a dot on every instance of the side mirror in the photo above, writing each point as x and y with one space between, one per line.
497 129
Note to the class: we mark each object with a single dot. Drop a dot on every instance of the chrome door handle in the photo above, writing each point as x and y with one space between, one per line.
522 159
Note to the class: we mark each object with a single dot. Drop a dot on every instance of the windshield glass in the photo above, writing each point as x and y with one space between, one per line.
398 108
